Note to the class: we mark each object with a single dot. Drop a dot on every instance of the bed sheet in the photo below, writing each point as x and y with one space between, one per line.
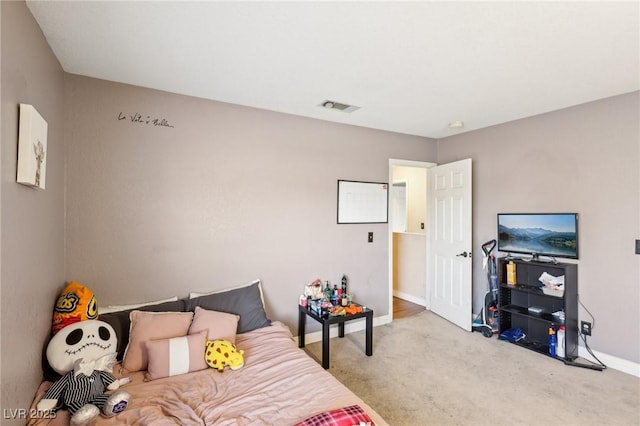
278 385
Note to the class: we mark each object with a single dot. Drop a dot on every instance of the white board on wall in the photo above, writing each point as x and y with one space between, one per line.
362 202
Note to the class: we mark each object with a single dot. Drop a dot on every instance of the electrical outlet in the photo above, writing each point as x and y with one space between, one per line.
637 246
370 237
421 225
585 328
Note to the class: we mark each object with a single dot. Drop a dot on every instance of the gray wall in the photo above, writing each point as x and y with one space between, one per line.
227 195
231 193
32 261
583 159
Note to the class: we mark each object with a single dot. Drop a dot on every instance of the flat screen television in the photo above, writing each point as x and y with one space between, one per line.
539 234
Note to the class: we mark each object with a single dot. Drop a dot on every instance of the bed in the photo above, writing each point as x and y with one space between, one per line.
279 383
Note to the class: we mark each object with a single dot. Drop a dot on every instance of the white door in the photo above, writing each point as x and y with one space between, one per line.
449 249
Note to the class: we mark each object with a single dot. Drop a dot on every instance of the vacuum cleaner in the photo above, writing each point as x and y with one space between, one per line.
487 320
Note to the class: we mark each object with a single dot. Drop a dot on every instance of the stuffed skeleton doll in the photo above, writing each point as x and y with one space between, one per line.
84 353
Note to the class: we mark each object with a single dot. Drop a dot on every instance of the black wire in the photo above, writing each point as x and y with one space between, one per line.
584 338
593 320
586 345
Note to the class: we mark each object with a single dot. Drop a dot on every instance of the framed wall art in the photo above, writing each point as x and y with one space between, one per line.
32 148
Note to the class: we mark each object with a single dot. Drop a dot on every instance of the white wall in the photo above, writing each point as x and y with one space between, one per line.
416 179
409 267
409 248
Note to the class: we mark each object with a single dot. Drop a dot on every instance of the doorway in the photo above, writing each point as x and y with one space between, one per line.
449 265
407 234
440 264
403 308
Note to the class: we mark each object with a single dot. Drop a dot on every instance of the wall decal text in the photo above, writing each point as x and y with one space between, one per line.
138 118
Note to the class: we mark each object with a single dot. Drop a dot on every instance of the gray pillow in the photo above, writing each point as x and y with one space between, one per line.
121 323
244 301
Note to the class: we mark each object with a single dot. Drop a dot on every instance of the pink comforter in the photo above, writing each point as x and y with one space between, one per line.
278 385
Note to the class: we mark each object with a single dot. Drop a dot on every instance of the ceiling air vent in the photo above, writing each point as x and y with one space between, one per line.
338 106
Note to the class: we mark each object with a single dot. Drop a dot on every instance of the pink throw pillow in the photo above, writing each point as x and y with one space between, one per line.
219 325
151 326
178 355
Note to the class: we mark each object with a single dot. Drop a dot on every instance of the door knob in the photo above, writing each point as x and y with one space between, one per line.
464 254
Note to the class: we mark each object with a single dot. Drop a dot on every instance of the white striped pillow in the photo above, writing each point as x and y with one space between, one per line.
178 355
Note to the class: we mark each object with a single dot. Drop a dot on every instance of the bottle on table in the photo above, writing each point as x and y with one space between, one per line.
324 306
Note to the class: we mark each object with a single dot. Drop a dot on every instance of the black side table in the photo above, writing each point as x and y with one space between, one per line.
326 322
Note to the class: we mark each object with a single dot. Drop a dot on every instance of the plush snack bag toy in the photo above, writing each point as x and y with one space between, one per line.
84 353
76 303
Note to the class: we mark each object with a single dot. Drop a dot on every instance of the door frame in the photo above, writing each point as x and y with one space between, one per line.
405 163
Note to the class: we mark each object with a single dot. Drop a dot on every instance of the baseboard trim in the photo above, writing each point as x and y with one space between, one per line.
413 299
349 327
611 361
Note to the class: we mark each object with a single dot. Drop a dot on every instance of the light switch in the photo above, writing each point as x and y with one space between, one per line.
370 237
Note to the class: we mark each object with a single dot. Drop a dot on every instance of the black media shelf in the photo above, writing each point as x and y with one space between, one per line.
533 289
514 302
534 346
524 311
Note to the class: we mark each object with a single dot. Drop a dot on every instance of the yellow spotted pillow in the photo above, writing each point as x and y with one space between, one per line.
222 353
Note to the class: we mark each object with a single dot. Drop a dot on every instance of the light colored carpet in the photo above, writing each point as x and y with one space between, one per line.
426 371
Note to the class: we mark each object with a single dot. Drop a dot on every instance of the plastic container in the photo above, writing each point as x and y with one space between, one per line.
560 351
552 342
558 316
511 273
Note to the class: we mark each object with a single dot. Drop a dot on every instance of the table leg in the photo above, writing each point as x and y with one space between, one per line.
325 345
302 320
369 334
340 329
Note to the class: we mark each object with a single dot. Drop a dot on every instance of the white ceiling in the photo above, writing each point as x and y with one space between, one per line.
411 67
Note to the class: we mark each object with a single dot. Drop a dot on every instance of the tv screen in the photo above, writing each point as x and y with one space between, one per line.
539 234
